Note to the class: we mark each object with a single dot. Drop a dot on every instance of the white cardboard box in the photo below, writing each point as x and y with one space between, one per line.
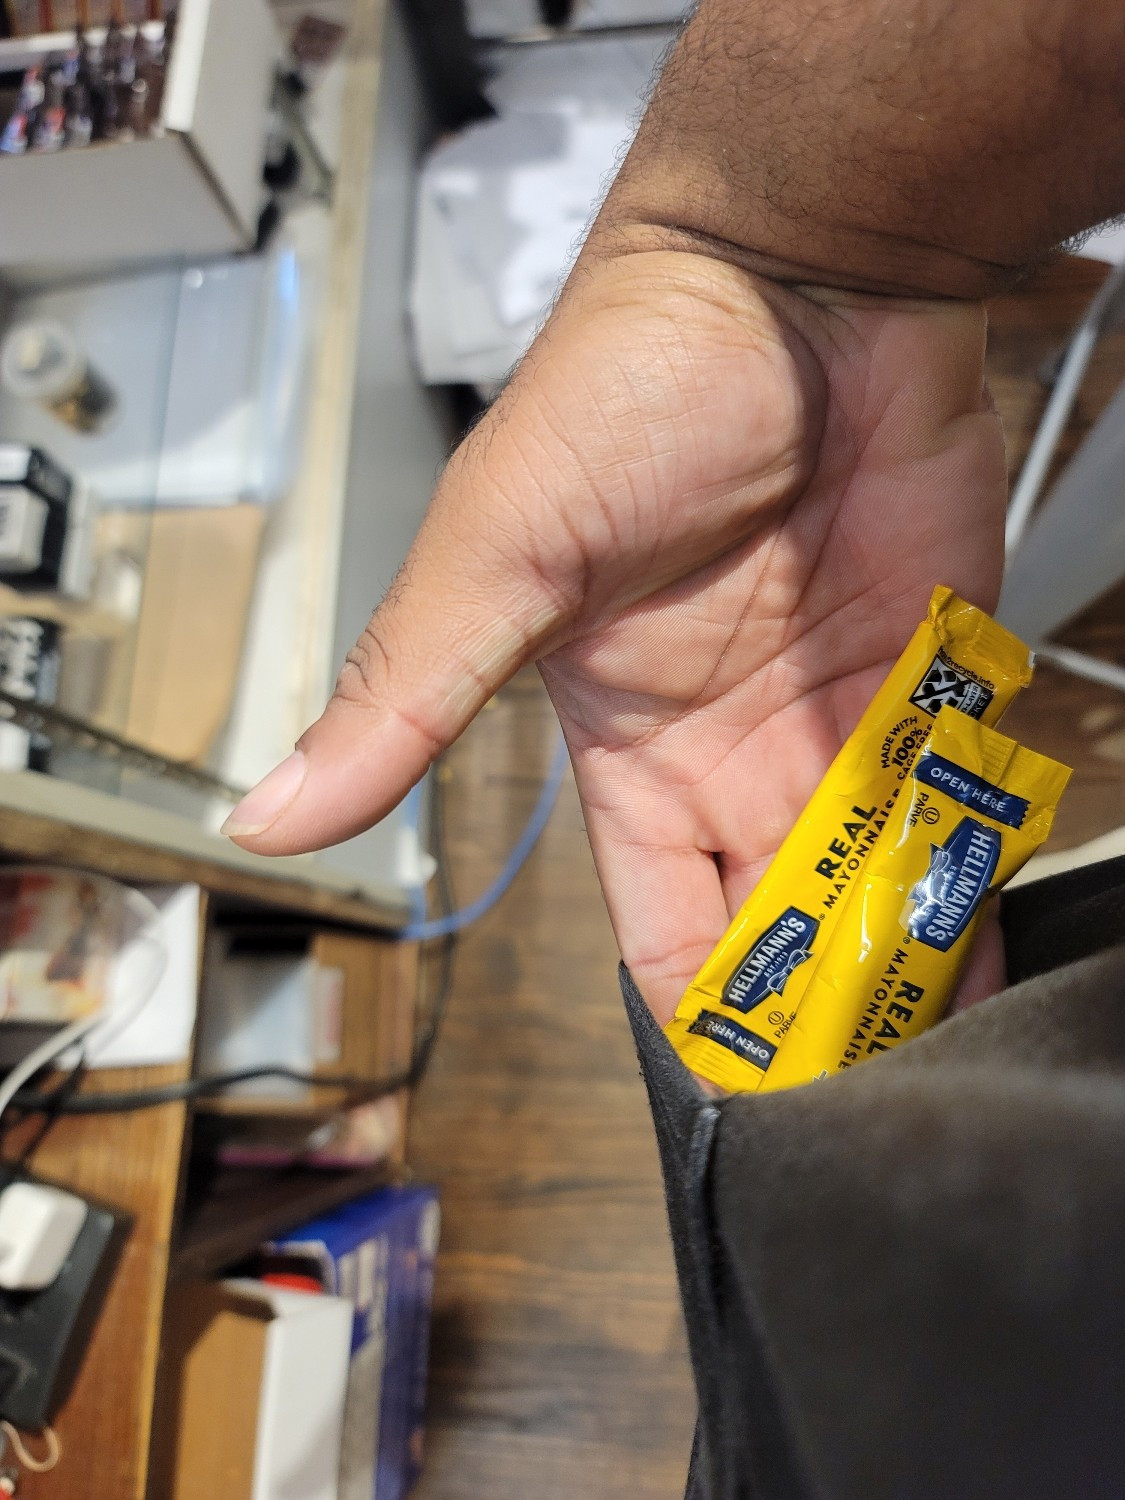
257 1376
263 1009
196 190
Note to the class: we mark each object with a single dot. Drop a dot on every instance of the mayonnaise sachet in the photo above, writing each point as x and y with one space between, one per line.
976 807
738 1009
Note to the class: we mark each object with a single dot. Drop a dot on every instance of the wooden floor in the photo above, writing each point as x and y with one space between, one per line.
559 1367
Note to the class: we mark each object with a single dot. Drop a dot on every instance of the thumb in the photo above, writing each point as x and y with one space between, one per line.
463 614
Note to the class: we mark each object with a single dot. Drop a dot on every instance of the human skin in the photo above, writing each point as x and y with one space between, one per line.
715 496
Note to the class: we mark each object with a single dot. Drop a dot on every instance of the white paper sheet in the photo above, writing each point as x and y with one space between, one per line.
503 207
161 1031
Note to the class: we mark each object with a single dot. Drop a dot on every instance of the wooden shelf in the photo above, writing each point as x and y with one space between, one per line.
130 1162
57 822
321 1105
229 1211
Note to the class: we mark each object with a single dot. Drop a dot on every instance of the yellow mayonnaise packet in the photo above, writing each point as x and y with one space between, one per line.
977 807
740 1005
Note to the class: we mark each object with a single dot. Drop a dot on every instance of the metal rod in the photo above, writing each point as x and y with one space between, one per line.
1053 422
1093 668
288 106
38 718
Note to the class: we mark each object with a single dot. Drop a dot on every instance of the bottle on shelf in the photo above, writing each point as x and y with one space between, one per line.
79 125
50 128
23 121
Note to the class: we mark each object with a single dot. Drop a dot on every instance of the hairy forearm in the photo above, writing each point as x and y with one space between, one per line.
936 146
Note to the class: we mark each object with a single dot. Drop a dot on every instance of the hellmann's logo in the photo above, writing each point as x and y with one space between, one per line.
955 884
767 967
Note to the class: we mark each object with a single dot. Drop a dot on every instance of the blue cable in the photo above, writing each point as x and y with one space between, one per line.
438 927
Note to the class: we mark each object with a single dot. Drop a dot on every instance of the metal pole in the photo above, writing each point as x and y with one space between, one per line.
1057 413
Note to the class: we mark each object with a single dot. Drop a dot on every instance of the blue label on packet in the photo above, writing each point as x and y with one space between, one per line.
743 1042
955 884
971 791
766 968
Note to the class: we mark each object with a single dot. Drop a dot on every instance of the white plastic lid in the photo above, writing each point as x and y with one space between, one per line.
40 361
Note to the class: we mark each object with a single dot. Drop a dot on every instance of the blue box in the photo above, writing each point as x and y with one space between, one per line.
378 1251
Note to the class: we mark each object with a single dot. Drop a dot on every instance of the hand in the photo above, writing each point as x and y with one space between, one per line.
713 511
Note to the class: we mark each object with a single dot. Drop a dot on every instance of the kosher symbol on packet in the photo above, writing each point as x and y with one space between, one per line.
946 685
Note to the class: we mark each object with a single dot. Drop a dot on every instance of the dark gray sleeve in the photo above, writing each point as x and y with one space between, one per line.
742 1446
905 1282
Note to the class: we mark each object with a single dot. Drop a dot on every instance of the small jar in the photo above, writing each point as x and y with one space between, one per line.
41 362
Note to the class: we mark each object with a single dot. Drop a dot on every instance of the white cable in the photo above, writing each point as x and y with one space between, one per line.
40 1056
1082 665
148 918
32 1464
1056 414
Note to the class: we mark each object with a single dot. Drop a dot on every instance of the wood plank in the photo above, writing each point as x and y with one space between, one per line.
610 1430
38 832
229 1211
559 1365
379 983
130 1162
398 1004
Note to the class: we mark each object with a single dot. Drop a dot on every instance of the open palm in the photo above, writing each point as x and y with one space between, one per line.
713 510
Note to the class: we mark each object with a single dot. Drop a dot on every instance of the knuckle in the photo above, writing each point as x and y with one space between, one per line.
366 668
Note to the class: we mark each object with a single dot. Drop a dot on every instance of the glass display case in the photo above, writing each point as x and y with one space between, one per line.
72 584
227 525
137 351
165 494
212 460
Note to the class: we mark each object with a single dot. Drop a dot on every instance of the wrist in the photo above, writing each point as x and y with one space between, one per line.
835 259
878 145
